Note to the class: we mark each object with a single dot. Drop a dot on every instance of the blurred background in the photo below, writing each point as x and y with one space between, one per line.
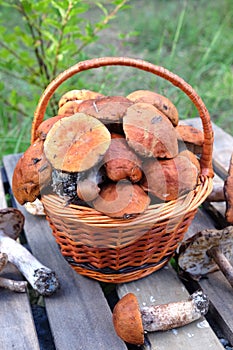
40 39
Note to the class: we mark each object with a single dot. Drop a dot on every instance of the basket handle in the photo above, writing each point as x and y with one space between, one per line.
206 157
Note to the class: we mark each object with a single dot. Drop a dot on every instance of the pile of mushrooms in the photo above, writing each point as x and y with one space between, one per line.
114 153
41 278
131 322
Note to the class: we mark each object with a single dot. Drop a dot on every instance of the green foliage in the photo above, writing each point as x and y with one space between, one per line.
194 40
38 40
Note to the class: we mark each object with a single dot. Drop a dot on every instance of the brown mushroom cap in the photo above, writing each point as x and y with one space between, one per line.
161 102
149 132
76 95
188 133
69 108
192 157
190 138
11 222
121 162
46 125
228 192
168 179
193 257
127 320
110 109
31 174
121 200
76 143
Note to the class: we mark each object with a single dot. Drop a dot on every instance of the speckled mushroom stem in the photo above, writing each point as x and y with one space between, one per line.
223 263
15 286
39 276
173 315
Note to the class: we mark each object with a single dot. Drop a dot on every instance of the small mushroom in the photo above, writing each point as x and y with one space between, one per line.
39 276
78 95
207 250
46 125
109 110
149 132
190 138
32 174
225 193
15 286
168 179
161 102
130 322
76 143
121 162
121 200
69 108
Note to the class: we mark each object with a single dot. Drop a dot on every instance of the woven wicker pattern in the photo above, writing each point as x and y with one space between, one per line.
123 250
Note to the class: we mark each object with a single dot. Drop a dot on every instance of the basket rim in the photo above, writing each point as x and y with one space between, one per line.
154 213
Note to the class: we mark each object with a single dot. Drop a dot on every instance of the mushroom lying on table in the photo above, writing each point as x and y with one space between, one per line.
130 322
39 276
206 251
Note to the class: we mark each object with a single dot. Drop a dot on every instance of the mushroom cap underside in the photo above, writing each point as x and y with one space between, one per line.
193 253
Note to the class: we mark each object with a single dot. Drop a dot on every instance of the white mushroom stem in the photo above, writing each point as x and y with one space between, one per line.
223 263
39 276
15 286
173 315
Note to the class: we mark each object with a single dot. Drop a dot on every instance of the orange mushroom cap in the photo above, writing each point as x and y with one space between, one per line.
127 320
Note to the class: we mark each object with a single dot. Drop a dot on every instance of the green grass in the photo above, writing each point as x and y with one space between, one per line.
191 38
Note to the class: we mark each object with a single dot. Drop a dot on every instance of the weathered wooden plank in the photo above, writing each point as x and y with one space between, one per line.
17 325
78 313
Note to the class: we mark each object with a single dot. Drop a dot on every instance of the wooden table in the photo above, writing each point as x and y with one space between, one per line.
78 314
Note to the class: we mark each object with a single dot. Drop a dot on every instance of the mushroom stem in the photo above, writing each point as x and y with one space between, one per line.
15 286
39 276
173 315
217 194
223 263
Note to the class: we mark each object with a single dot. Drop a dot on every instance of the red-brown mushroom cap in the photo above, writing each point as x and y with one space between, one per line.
31 174
78 95
121 200
46 125
11 222
76 143
121 162
108 109
169 179
69 108
149 132
190 135
127 320
161 102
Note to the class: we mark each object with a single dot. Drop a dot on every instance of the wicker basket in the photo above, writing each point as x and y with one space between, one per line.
122 250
